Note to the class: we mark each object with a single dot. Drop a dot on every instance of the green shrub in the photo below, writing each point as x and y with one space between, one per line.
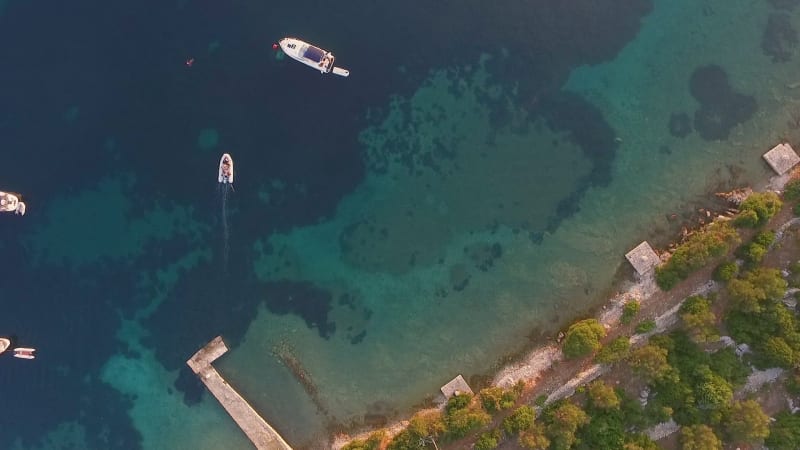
765 238
563 421
796 210
698 250
729 366
762 205
540 400
602 396
784 433
772 333
793 382
629 311
791 191
463 416
746 422
583 338
695 312
746 219
726 271
750 292
651 362
710 389
699 437
422 425
488 440
459 401
460 422
534 439
639 441
752 253
520 420
614 351
605 430
373 442
646 327
777 353
496 398
794 274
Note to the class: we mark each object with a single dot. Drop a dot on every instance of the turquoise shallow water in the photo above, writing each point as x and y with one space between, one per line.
490 213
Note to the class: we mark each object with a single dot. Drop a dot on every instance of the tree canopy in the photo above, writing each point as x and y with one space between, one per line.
697 251
754 288
583 338
615 351
602 396
563 422
695 312
651 361
757 209
747 422
699 437
784 433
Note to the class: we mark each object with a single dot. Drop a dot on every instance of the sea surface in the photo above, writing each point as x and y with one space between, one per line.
470 188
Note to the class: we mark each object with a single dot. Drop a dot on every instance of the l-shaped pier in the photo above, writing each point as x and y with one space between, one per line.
260 433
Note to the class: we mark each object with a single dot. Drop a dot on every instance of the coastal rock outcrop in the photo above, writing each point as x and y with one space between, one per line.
736 196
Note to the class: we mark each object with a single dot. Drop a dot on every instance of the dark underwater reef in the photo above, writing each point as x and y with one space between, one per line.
721 107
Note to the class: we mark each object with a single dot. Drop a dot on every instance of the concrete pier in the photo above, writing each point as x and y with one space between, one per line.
260 433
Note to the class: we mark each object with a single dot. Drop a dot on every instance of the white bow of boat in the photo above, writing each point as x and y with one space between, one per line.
10 203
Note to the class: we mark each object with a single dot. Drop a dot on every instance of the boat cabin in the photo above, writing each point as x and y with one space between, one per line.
323 60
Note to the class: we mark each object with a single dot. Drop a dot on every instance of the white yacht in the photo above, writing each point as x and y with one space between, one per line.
4 344
225 169
311 56
10 203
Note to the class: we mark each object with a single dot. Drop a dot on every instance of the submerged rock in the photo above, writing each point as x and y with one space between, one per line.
779 38
721 108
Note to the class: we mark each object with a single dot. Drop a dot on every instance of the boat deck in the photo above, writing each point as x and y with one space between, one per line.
260 433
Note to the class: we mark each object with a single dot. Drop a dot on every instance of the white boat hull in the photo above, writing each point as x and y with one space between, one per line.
312 56
24 353
223 177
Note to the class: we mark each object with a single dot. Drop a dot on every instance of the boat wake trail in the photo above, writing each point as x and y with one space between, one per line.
225 235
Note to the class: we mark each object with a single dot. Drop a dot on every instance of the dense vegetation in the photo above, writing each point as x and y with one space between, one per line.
697 251
690 379
757 209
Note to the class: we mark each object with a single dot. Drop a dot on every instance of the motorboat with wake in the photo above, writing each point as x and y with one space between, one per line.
311 56
226 169
9 202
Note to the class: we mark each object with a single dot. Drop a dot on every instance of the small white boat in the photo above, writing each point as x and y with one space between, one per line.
4 344
10 203
311 56
24 353
226 169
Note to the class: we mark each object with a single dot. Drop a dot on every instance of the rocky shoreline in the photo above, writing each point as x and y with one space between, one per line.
562 376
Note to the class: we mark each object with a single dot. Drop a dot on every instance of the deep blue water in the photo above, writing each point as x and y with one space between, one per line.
121 66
